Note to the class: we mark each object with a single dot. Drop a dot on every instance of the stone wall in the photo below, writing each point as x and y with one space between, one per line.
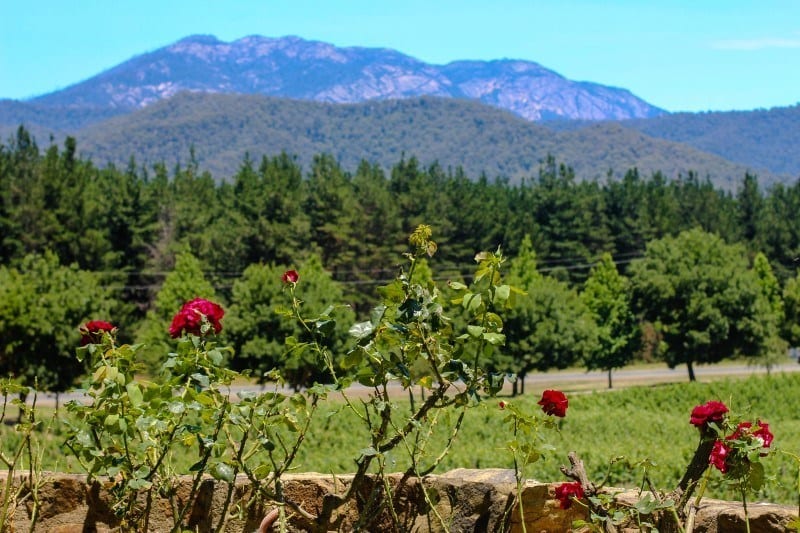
460 500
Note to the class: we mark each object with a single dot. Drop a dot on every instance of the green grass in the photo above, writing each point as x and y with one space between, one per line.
643 422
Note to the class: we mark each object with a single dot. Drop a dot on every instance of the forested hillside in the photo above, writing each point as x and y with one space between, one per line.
475 137
762 138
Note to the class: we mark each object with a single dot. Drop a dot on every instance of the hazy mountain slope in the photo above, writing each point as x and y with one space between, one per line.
43 121
761 138
222 128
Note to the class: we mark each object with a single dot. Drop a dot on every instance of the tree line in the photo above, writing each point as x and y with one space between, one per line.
78 241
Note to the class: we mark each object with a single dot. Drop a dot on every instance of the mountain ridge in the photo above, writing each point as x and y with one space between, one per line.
297 68
453 133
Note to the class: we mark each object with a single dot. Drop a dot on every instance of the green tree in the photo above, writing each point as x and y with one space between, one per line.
749 207
42 304
182 284
790 329
259 328
705 301
269 201
549 327
331 207
774 349
606 294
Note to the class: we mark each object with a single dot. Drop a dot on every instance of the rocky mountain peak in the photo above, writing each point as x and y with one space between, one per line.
293 67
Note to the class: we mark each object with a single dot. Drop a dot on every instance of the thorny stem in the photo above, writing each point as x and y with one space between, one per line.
744 507
519 477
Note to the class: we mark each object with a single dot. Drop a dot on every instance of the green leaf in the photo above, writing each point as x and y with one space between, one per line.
325 327
262 471
111 421
224 472
368 452
502 293
475 331
134 394
353 358
361 330
472 302
215 356
201 379
494 338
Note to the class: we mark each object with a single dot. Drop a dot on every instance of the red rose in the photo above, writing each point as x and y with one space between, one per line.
566 491
712 411
92 331
762 433
290 276
743 429
719 456
554 402
190 318
501 404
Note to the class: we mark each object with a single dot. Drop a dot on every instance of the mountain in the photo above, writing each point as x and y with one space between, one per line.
479 138
585 119
761 138
295 68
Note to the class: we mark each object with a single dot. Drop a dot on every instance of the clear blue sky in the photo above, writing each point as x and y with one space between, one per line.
682 55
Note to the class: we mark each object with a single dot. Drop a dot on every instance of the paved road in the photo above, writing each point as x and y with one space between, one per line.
570 380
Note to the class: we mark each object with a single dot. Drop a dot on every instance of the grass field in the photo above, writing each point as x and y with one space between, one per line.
637 423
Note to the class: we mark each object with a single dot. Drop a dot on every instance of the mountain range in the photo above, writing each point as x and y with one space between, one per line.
291 67
264 95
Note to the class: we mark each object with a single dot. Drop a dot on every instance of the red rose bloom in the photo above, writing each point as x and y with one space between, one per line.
92 331
290 276
566 491
719 456
501 404
554 402
712 411
762 433
190 318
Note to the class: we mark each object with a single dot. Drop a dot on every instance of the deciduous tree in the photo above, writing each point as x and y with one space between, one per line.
703 297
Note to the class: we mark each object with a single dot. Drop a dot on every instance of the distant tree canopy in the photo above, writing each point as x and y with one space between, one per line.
133 231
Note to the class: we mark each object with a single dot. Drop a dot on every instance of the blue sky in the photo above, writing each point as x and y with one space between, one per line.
677 54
